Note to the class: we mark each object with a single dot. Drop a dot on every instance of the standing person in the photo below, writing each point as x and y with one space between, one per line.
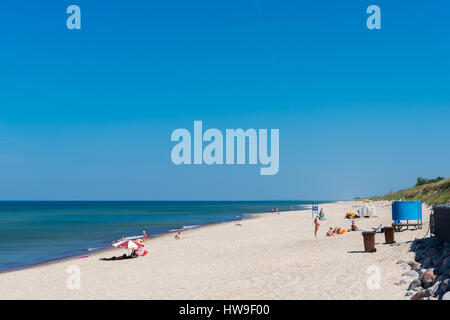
278 212
144 235
316 226
321 214
272 210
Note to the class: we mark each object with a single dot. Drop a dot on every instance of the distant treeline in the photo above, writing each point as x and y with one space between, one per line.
421 181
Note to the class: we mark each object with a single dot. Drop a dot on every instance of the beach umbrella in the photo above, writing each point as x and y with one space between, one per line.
128 244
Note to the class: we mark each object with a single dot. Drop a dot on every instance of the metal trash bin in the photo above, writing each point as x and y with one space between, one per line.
389 234
369 241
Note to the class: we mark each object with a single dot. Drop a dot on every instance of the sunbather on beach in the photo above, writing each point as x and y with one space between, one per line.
122 257
354 226
316 226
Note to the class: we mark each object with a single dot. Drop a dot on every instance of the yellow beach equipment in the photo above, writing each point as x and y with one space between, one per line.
351 215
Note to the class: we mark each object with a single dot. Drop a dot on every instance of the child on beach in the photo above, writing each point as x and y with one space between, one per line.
178 236
330 232
316 226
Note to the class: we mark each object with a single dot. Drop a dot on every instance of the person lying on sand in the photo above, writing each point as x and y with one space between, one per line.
354 227
316 226
340 231
178 236
122 257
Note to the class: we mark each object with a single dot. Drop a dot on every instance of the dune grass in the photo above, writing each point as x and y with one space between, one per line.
430 193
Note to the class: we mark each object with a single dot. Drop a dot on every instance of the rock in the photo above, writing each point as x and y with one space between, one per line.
445 253
428 283
446 262
403 281
432 291
444 287
440 278
409 293
419 295
404 266
414 265
443 271
418 288
414 284
437 261
420 255
411 273
401 261
426 262
431 252
428 275
446 296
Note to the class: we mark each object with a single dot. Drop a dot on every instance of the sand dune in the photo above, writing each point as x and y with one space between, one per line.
269 257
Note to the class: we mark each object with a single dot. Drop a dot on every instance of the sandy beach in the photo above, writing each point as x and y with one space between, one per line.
269 256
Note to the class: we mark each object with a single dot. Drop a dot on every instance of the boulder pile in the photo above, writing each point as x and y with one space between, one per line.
430 270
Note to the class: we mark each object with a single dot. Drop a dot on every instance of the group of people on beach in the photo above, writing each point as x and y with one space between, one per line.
135 252
333 231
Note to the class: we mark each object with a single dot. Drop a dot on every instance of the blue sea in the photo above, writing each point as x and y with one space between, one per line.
33 232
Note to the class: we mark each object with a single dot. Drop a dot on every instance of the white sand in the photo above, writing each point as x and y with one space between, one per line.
268 257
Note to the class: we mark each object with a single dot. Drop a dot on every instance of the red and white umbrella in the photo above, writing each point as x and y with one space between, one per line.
128 244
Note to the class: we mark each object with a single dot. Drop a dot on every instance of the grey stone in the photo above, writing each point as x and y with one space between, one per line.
446 296
403 281
427 284
445 286
420 255
404 266
418 288
440 278
437 261
414 284
409 293
426 262
433 290
411 273
414 265
443 271
401 261
432 252
446 262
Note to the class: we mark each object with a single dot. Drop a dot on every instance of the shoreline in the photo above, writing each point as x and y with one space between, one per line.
99 250
268 257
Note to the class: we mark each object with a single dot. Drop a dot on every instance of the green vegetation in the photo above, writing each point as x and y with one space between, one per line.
434 191
421 181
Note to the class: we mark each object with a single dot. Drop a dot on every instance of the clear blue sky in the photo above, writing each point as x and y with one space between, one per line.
88 114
